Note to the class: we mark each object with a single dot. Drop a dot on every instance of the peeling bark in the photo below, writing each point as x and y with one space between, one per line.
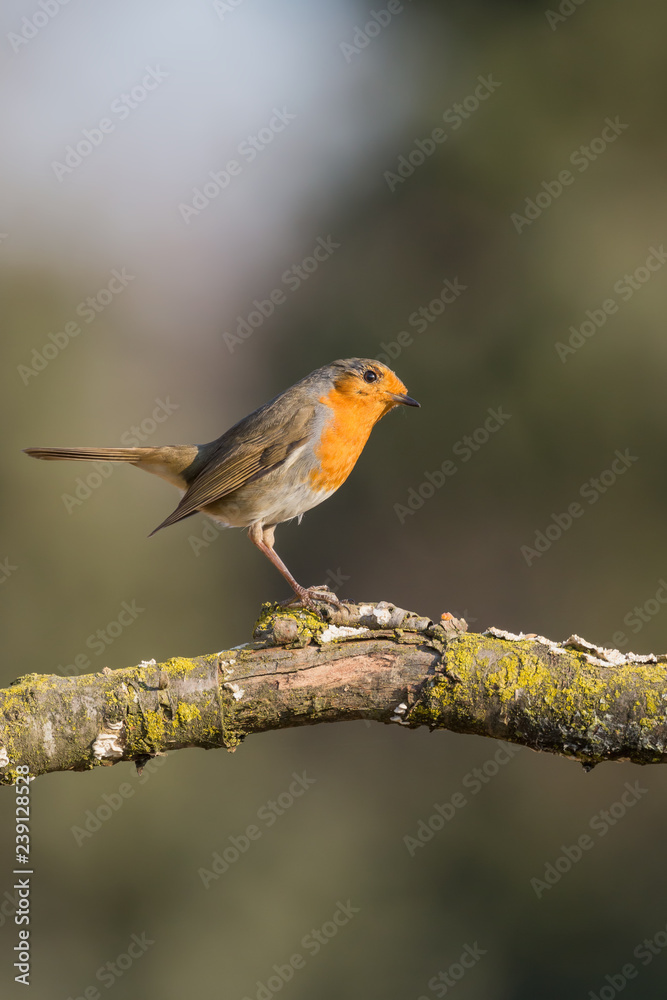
361 661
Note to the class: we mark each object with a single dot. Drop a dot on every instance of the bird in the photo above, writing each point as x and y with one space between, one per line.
281 460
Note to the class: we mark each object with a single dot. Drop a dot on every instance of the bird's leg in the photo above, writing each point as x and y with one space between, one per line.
262 537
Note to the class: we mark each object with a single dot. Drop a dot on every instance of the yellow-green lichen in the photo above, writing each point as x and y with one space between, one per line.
154 725
309 624
547 699
186 713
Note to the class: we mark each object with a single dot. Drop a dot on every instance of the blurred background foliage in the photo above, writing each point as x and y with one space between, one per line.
227 67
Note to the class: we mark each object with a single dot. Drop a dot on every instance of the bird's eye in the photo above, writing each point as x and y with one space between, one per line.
370 375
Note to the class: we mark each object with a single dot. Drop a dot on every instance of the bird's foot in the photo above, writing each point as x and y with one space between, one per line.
308 597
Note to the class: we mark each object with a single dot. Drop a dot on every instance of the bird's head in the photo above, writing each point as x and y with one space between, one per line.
369 386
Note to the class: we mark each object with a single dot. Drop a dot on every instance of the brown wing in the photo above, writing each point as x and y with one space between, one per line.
238 458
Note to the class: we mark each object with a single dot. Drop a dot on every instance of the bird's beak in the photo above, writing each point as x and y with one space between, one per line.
406 400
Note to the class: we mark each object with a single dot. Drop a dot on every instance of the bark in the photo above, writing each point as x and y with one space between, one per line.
371 661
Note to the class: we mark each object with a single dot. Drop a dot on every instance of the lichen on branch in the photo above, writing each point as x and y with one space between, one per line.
359 661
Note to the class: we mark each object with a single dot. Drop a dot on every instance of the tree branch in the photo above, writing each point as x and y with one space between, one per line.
373 661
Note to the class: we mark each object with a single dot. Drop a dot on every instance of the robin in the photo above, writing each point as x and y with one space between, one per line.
278 462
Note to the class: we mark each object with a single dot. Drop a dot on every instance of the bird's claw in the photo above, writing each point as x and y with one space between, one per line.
309 597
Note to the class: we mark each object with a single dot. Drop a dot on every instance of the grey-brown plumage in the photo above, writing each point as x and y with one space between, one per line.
279 461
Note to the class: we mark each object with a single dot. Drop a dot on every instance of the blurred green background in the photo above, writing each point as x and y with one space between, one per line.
218 72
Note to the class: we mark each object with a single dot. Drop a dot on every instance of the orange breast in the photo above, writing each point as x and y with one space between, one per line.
343 437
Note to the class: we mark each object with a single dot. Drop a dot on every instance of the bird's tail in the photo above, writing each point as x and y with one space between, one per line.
93 454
